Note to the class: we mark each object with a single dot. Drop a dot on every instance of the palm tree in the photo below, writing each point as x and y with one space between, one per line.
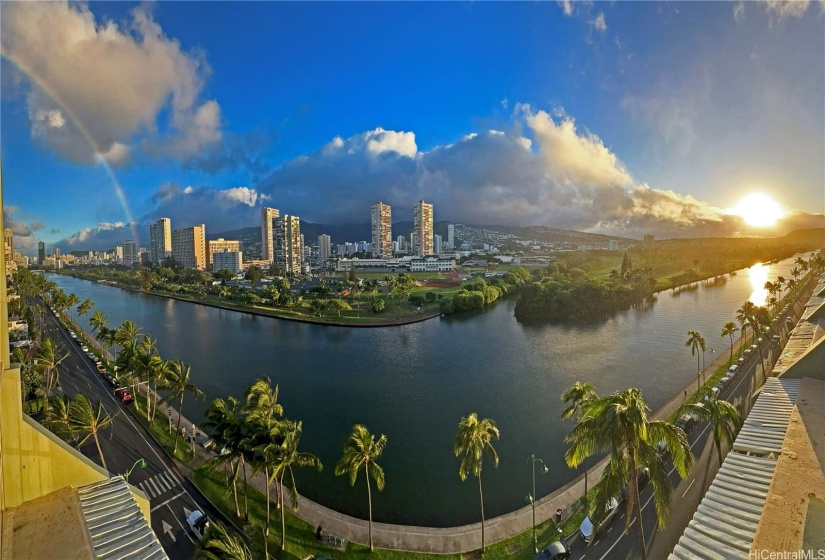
473 440
220 545
90 420
47 367
85 306
178 383
619 426
742 314
290 457
756 327
360 452
729 329
98 322
57 418
262 403
780 281
71 301
266 445
696 342
578 397
224 423
723 417
795 272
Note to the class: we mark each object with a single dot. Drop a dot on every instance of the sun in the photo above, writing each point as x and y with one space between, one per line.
758 210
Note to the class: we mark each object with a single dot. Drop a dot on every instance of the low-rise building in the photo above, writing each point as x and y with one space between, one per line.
432 264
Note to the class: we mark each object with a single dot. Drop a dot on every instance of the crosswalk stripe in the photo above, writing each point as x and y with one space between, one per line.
146 489
175 477
161 482
171 479
152 482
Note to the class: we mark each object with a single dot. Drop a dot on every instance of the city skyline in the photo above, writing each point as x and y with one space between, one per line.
626 119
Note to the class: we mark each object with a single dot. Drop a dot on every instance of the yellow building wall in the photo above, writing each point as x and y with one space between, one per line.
35 462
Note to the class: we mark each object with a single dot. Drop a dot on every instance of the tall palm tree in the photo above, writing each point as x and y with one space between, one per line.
756 328
729 329
219 544
619 426
360 452
578 397
473 440
85 418
746 310
224 422
266 445
85 306
47 366
723 417
71 301
262 404
57 418
696 342
289 459
98 322
780 281
179 382
796 273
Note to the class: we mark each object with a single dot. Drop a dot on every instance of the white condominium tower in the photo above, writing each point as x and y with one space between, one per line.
288 249
268 216
189 246
160 240
381 231
423 229
451 236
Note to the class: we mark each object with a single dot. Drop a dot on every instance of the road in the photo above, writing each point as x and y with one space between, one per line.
171 496
611 543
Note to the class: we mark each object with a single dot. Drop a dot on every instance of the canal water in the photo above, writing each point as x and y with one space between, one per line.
414 383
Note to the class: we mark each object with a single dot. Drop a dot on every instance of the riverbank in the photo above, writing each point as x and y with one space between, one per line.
286 315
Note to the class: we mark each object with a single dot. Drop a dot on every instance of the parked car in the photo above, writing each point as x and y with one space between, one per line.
124 395
586 529
84 347
713 393
685 422
112 380
198 524
101 368
557 550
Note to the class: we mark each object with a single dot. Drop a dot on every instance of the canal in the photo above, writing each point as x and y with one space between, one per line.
414 382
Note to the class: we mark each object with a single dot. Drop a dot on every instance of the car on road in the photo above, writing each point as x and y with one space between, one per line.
198 524
557 550
124 395
586 529
731 373
101 368
112 380
84 348
73 335
713 393
685 422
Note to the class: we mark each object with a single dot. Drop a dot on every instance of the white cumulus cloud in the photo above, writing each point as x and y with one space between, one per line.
107 85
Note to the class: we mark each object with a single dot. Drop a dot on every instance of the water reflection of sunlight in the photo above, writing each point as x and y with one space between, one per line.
758 275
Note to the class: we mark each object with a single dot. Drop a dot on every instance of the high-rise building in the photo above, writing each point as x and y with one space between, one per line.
381 231
218 246
613 245
268 217
437 244
41 253
130 252
402 244
451 236
8 245
649 241
288 251
324 248
119 254
160 240
423 229
57 254
189 246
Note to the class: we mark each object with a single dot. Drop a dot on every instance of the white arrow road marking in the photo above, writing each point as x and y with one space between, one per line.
186 512
168 529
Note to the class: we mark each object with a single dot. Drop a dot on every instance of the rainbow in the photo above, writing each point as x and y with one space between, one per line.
55 96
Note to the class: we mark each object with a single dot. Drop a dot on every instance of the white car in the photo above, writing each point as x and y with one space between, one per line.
731 371
586 528
198 524
85 348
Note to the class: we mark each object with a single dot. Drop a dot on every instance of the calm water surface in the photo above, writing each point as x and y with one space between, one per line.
413 383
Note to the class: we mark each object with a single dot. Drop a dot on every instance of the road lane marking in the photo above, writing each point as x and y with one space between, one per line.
175 497
688 488
146 490
168 529
611 547
610 528
175 517
156 489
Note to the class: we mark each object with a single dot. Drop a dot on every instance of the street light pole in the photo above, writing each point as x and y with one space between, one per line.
141 462
531 498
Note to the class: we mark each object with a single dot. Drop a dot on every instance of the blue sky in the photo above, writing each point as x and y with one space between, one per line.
622 117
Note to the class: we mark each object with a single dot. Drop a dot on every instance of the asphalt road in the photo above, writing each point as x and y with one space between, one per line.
171 496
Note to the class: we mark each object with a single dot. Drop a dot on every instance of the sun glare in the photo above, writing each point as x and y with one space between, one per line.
758 210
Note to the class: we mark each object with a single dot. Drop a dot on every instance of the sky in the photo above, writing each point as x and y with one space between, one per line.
624 117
